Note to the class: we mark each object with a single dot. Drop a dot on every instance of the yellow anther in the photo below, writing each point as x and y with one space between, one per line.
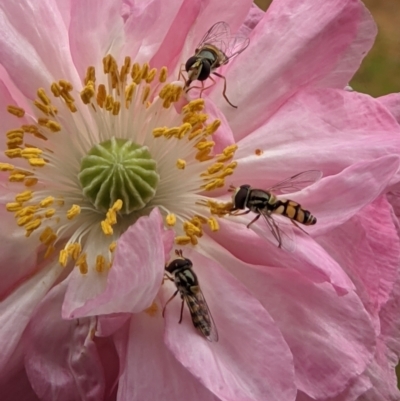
215 168
158 132
213 184
13 153
152 310
55 89
74 250
16 111
53 126
203 155
109 103
87 93
145 70
226 172
13 206
180 164
13 143
213 224
199 220
100 263
47 236
46 201
116 108
37 162
65 85
182 240
30 153
194 240
107 228
183 130
82 264
136 73
15 133
24 196
90 75
49 251
230 150
172 132
112 246
212 128
101 95
25 211
194 119
202 145
63 258
111 217
43 97
50 213
195 133
25 219
73 211
145 93
150 76
191 229
163 74
129 91
6 167
30 182
170 219
195 105
218 208
32 226
16 177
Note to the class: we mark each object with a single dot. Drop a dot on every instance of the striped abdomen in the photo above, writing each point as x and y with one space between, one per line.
293 211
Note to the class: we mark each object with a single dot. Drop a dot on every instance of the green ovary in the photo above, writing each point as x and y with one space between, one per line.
119 169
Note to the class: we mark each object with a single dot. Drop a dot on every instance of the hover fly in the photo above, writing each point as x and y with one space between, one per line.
265 203
188 286
216 48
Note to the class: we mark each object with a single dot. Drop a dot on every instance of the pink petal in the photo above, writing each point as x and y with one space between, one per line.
392 103
254 16
308 257
189 26
297 44
148 369
317 129
368 249
335 199
16 310
330 336
62 361
134 279
93 38
18 388
34 50
250 360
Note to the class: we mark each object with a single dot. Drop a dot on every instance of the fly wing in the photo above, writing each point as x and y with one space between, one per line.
296 183
201 315
283 237
219 35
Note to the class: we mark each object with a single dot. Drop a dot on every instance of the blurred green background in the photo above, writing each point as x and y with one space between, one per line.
380 71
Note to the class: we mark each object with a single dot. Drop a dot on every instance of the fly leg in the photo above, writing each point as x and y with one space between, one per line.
173 296
304 231
254 220
180 320
232 213
224 91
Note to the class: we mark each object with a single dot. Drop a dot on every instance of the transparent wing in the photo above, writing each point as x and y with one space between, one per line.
283 237
201 315
219 35
296 183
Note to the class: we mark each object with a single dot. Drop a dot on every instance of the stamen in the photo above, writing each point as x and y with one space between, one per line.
16 111
170 219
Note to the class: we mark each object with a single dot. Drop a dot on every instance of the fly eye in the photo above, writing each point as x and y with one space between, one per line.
190 63
239 198
205 70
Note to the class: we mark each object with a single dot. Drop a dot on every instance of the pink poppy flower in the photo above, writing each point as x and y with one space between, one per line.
84 249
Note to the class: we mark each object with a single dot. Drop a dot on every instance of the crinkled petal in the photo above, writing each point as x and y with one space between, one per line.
392 103
140 248
368 249
18 388
62 361
335 199
250 361
16 310
331 336
326 130
297 44
34 50
254 16
148 369
93 38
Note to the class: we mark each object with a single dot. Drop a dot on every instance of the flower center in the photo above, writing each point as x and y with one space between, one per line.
90 163
119 169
